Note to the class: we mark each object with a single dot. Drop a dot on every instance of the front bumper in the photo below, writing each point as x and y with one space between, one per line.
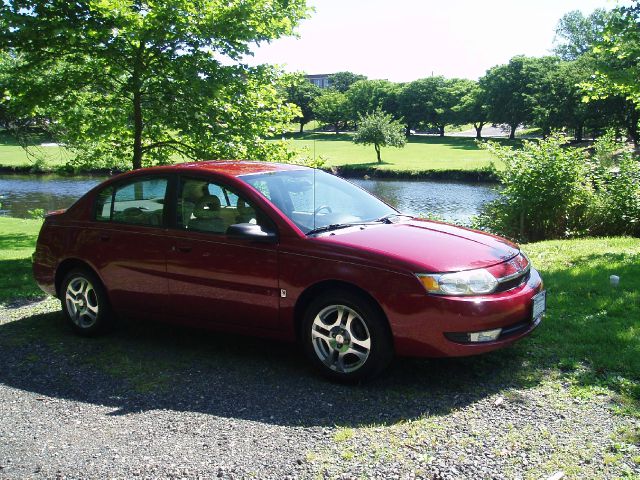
429 330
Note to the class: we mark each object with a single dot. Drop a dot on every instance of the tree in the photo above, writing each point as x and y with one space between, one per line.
152 78
456 91
341 81
577 33
510 89
8 104
617 69
332 108
428 102
471 107
380 130
302 93
367 96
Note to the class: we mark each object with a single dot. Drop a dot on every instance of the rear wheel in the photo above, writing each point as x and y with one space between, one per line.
346 337
84 303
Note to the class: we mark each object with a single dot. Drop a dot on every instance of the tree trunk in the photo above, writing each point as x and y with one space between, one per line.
301 127
478 127
632 123
441 128
579 132
512 134
337 127
407 131
137 132
377 147
138 123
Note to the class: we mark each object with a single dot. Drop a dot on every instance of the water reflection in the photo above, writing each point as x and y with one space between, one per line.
453 201
21 193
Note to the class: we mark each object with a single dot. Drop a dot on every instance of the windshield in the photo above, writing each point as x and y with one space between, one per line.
313 199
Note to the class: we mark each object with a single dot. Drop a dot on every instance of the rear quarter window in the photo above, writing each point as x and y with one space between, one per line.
139 202
104 205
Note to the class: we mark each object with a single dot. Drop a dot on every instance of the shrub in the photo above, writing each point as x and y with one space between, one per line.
551 190
614 207
543 190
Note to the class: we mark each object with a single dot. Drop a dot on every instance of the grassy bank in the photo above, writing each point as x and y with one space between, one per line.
42 153
422 153
441 157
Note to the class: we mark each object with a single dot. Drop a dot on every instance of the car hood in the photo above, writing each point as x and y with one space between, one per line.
427 246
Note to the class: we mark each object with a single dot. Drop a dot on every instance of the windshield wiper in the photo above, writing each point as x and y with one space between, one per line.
387 218
333 226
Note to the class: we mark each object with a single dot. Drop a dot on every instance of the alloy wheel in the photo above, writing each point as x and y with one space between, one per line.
82 302
340 338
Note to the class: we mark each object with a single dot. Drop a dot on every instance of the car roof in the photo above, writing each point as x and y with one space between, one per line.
234 168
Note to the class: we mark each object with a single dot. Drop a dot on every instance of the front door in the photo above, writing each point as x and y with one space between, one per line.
215 279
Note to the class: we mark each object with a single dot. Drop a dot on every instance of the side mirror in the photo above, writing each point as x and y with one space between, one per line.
250 231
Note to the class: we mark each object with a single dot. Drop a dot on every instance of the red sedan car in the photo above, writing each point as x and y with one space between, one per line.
288 252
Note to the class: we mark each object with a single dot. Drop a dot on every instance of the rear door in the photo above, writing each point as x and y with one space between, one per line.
215 279
127 244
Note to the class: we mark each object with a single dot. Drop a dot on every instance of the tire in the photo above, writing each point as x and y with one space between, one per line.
346 337
84 303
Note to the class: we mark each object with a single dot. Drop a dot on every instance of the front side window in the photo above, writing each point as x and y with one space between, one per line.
138 203
206 206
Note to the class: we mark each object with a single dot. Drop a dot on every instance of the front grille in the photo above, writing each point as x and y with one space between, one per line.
513 283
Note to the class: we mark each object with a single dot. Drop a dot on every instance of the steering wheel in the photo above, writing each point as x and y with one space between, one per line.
322 207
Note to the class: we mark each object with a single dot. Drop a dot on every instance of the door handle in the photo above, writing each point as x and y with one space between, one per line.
104 237
184 248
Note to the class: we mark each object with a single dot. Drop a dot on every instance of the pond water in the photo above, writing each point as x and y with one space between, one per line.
21 193
453 201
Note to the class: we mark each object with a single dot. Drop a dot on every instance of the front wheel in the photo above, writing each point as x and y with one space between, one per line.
346 337
84 303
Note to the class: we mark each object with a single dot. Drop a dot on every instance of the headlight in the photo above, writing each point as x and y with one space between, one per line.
470 282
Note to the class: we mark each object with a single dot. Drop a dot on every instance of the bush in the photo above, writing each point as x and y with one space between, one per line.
543 190
614 207
552 190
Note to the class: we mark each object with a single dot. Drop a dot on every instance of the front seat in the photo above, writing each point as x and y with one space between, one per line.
207 215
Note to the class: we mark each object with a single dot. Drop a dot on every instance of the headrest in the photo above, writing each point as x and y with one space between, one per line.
243 207
208 207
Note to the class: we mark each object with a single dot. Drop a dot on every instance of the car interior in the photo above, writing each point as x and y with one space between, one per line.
208 207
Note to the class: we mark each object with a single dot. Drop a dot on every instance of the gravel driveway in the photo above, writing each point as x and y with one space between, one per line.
153 401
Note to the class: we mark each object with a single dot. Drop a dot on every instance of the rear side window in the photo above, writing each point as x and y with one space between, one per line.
137 203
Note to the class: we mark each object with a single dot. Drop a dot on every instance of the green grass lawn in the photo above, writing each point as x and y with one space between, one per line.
17 243
420 154
13 155
592 330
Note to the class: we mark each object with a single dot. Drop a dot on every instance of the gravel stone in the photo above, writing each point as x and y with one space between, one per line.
151 401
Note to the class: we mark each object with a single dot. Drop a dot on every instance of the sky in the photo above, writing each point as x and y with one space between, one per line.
403 40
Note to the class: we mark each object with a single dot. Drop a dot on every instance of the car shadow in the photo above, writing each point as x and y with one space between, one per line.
144 366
